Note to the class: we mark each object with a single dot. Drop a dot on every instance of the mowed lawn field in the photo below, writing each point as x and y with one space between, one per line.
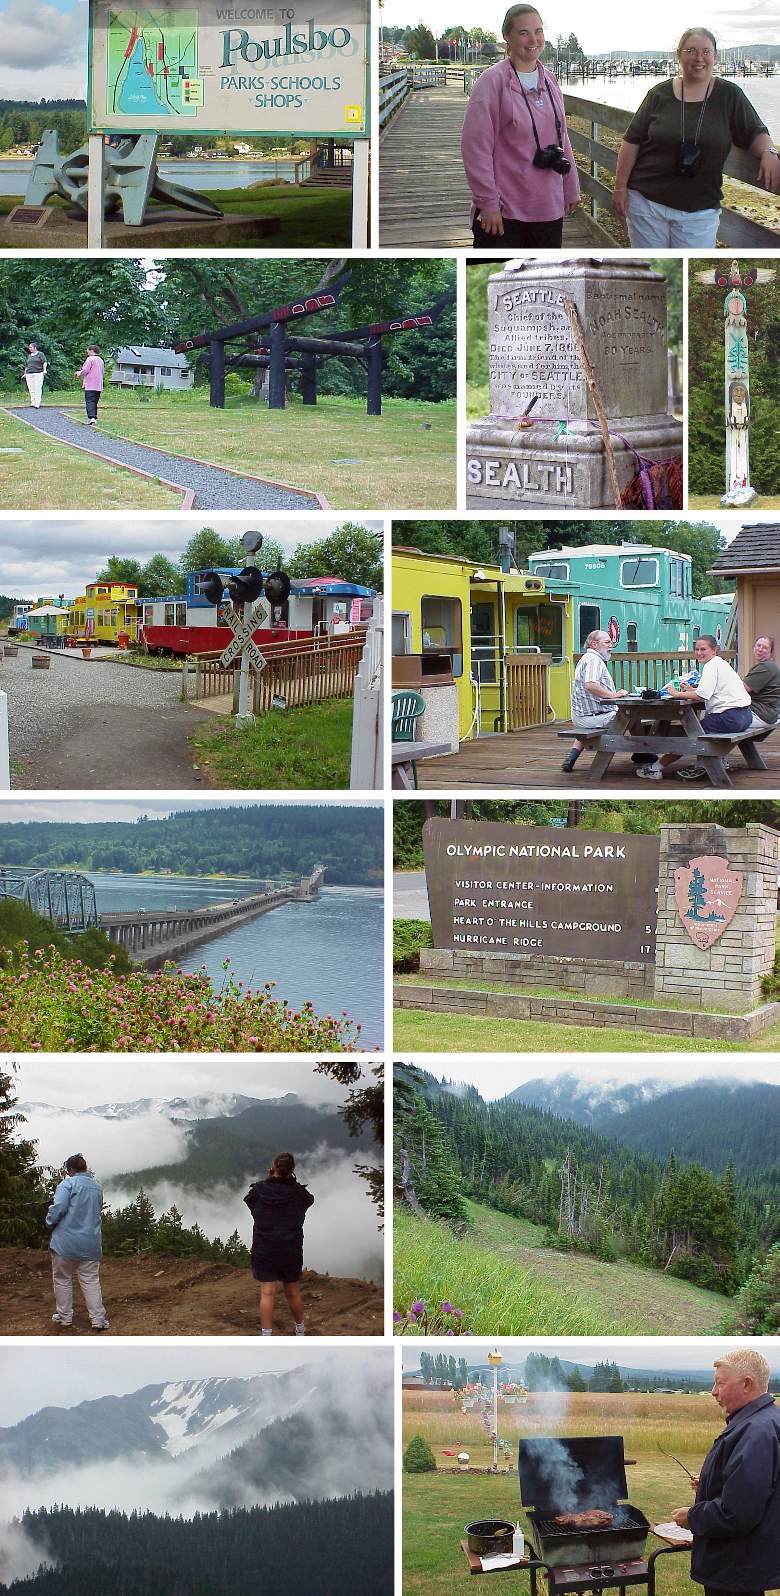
507 1282
320 217
436 1507
45 475
405 458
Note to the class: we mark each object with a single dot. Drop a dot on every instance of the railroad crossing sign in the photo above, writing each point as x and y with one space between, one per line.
242 630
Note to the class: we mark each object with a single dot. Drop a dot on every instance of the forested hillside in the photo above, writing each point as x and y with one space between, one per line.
261 840
590 1191
306 1549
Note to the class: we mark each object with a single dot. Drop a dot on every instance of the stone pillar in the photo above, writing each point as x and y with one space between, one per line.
728 974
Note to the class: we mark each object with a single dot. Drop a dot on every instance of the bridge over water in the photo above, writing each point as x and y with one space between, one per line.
148 936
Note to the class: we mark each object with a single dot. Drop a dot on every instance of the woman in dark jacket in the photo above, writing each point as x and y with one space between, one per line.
278 1206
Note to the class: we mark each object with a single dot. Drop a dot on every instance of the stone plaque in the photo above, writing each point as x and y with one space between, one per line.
707 894
524 891
532 354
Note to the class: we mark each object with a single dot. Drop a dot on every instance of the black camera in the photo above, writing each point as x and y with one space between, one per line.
552 157
688 158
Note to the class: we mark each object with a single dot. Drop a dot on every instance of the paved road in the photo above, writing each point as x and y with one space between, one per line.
410 896
214 489
92 723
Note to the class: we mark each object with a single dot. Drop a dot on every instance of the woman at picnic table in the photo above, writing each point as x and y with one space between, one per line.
515 147
669 178
724 697
278 1206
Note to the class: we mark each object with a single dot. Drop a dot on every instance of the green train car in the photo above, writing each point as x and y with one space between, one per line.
640 594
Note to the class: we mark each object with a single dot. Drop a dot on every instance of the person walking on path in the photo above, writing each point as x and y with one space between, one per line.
76 1243
91 374
35 368
278 1206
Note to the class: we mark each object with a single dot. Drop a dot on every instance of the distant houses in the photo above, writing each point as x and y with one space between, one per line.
139 366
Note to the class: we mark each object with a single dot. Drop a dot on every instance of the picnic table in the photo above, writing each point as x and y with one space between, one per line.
406 755
668 726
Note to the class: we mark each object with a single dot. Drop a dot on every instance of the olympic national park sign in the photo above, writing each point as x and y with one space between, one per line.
525 891
198 66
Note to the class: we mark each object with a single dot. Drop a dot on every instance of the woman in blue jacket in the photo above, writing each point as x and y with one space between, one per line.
735 1519
278 1206
74 1219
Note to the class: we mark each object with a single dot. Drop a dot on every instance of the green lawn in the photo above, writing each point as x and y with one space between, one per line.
319 217
436 1507
293 748
508 1283
414 1029
404 458
698 501
48 475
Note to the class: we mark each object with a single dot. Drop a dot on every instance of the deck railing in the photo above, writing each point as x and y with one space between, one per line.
637 671
527 690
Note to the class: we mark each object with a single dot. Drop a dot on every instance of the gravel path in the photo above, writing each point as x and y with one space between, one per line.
214 488
91 723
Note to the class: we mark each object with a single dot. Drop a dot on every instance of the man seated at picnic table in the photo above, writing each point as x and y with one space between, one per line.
593 692
763 684
726 703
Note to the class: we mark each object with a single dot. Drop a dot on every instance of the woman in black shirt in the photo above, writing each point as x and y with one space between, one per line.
278 1206
669 178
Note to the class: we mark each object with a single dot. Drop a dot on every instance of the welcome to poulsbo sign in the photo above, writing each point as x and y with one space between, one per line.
207 67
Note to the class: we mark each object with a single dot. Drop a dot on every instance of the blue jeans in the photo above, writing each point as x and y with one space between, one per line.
729 720
655 226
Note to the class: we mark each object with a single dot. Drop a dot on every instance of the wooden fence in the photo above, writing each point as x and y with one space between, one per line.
527 690
299 671
637 671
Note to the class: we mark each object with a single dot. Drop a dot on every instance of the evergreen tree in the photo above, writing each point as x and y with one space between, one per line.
24 1194
418 1457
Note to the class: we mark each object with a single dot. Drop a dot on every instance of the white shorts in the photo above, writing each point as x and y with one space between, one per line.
655 226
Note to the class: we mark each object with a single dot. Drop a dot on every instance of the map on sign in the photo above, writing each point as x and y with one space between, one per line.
152 62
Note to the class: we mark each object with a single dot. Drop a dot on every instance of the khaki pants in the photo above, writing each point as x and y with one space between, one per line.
34 380
87 1271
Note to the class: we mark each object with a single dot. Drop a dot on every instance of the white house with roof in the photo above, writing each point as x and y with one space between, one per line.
139 366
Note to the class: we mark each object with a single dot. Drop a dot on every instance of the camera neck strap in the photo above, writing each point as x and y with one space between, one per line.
701 113
558 128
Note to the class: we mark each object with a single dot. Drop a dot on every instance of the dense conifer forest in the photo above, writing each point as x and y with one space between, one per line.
267 840
591 1192
304 1549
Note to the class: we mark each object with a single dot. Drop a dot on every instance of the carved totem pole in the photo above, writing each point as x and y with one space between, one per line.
739 489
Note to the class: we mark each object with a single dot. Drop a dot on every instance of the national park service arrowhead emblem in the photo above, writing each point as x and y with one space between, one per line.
707 894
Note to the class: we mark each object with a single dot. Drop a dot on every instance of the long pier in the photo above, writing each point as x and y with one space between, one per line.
151 937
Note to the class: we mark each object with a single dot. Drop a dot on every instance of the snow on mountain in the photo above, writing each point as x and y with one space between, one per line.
589 1101
179 1110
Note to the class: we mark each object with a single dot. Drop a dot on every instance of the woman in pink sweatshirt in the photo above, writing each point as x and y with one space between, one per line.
515 147
91 374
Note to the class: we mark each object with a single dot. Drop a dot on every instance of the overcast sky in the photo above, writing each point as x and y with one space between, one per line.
127 809
601 28
635 1352
51 1079
495 1077
59 554
64 1374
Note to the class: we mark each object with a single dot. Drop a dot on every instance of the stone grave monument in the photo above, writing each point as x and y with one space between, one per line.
688 917
543 442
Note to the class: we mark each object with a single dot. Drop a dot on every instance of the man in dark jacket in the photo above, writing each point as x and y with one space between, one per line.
735 1520
278 1206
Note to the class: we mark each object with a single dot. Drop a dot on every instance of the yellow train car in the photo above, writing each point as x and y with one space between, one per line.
510 641
105 612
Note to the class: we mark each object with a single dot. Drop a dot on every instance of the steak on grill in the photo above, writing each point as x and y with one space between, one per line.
594 1519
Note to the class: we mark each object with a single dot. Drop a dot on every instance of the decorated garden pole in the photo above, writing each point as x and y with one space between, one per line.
495 1359
739 489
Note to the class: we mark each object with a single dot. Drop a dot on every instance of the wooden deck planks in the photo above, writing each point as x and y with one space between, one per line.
424 199
532 759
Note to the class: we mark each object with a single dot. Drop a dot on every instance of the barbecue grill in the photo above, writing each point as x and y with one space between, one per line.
576 1474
